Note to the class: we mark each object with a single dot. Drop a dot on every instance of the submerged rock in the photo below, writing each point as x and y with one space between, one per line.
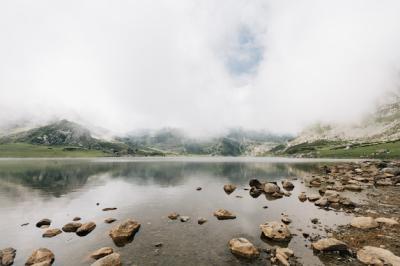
7 256
109 209
71 227
364 223
102 252
85 229
41 256
124 232
201 221
173 216
113 259
229 188
243 247
377 256
276 231
110 220
43 222
329 244
223 214
51 232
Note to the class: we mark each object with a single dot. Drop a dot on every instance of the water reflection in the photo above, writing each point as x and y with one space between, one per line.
147 191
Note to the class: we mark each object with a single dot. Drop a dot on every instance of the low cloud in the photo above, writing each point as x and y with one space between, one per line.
200 65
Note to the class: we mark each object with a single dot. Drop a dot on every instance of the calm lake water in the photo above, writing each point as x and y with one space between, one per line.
147 190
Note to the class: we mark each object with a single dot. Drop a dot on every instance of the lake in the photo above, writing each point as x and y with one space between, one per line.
147 190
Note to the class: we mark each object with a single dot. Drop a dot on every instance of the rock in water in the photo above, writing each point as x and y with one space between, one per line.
109 209
229 188
286 184
364 223
377 256
110 220
173 216
242 247
51 232
43 222
7 256
184 219
41 256
276 231
283 254
102 252
302 197
201 221
85 229
222 214
71 227
124 232
76 219
329 244
113 259
271 188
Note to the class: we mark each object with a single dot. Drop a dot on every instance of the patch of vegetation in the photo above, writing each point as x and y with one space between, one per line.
25 150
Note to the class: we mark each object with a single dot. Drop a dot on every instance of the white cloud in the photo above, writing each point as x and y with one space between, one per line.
132 64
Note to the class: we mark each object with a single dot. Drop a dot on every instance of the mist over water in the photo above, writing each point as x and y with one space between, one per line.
199 65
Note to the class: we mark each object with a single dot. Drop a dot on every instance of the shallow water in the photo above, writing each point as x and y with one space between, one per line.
147 190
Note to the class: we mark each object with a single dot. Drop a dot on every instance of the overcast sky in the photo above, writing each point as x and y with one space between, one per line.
201 65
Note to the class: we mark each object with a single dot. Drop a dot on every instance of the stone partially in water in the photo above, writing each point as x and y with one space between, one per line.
102 252
110 220
184 219
124 232
43 222
113 259
109 209
283 254
41 256
255 183
71 227
85 229
76 219
377 256
271 188
302 197
51 232
173 216
7 256
364 223
329 244
223 214
276 231
286 184
229 188
243 247
314 197
201 221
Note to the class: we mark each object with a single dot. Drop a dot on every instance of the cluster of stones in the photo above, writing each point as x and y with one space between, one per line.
271 190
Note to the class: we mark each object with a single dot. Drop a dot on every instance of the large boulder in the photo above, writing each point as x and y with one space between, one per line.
229 188
124 232
71 227
85 229
113 259
41 256
364 223
377 256
7 256
276 231
102 252
329 244
223 214
243 247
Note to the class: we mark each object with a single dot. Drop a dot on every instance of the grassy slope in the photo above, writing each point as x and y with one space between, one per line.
23 150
